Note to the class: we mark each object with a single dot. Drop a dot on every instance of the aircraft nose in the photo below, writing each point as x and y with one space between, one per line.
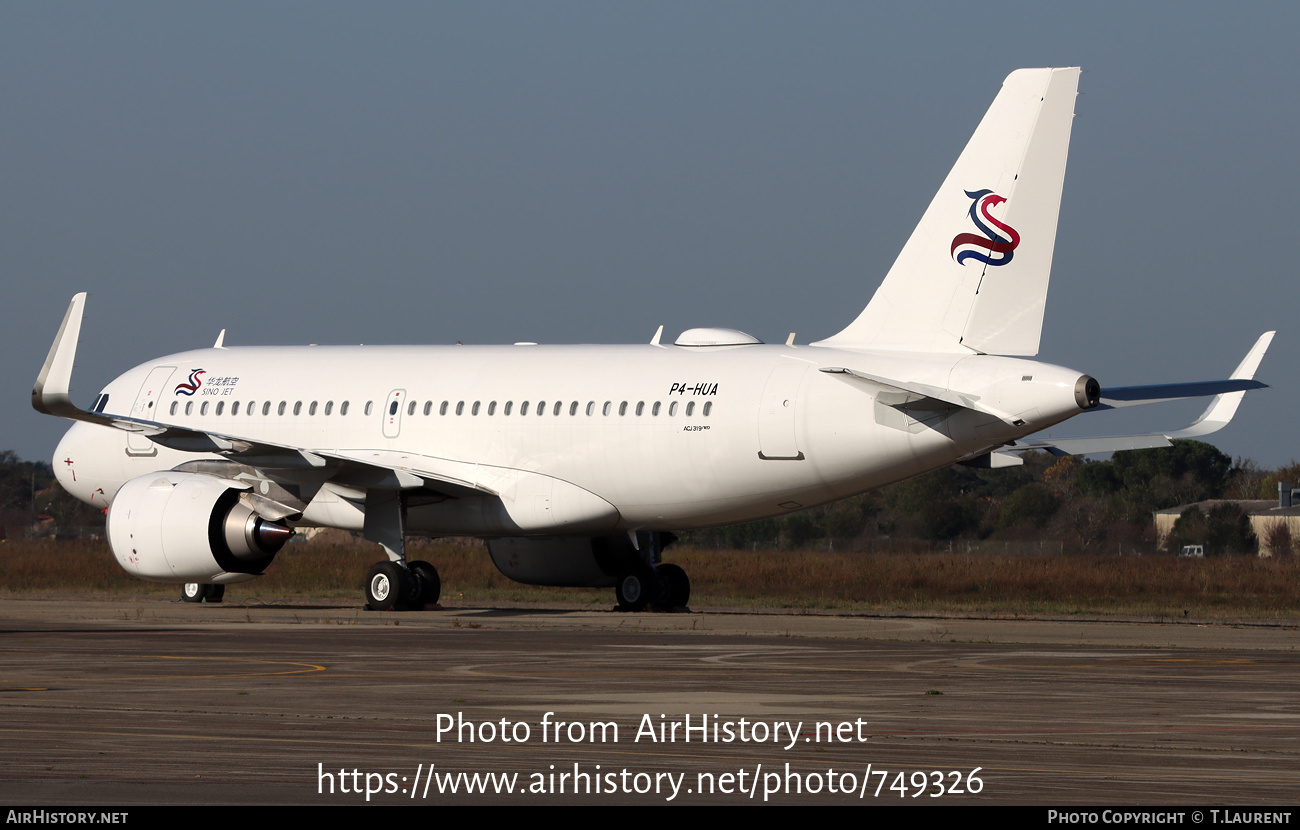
71 460
63 463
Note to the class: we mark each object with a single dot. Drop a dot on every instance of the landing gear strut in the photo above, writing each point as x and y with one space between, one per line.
395 585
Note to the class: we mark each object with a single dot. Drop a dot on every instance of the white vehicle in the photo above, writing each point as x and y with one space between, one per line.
1192 552
577 462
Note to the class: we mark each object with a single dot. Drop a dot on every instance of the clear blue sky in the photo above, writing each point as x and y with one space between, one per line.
583 172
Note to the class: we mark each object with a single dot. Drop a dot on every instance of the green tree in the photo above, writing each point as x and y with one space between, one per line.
1032 504
1228 530
1190 529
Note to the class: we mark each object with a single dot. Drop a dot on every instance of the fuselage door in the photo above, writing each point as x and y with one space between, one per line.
392 413
777 410
148 407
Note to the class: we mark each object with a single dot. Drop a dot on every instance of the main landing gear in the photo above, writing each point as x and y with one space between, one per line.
402 586
651 583
395 585
665 588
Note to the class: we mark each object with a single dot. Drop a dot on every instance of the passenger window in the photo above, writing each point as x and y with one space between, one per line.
220 406
556 411
622 408
591 408
234 408
189 407
508 405
203 410
410 408
442 410
654 410
266 409
523 408
474 409
672 408
329 407
279 410
604 410
343 408
428 407
492 408
297 408
311 410
460 407
708 407
573 408
640 407
690 408
541 407
174 404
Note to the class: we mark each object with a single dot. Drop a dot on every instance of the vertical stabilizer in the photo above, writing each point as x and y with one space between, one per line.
973 276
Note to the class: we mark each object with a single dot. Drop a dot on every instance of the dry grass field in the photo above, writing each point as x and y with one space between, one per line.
1158 586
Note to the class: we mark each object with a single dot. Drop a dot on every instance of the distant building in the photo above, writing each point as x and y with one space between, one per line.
1264 515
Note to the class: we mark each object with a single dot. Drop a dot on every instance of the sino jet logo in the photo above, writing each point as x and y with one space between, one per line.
190 388
1000 248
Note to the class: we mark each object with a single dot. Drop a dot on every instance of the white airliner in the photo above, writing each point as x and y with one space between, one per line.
577 462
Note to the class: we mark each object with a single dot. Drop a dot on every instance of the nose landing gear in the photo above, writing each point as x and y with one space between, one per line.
198 592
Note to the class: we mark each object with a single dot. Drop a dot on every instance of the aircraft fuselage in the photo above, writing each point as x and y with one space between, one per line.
625 437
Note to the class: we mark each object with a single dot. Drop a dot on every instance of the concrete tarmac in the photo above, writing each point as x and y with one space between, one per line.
109 701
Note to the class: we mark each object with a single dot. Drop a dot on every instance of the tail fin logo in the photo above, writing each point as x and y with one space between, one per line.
190 388
1000 248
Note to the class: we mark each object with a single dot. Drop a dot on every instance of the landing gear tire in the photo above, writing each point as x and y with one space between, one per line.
636 589
198 592
428 585
388 585
677 586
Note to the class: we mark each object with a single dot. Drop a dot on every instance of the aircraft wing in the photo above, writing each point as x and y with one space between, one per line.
365 469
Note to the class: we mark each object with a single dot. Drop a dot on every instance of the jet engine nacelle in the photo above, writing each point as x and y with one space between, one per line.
189 527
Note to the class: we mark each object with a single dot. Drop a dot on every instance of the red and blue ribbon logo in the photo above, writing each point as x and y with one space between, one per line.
1000 248
190 388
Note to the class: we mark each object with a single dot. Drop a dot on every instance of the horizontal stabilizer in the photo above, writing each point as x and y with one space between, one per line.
1121 396
1227 397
